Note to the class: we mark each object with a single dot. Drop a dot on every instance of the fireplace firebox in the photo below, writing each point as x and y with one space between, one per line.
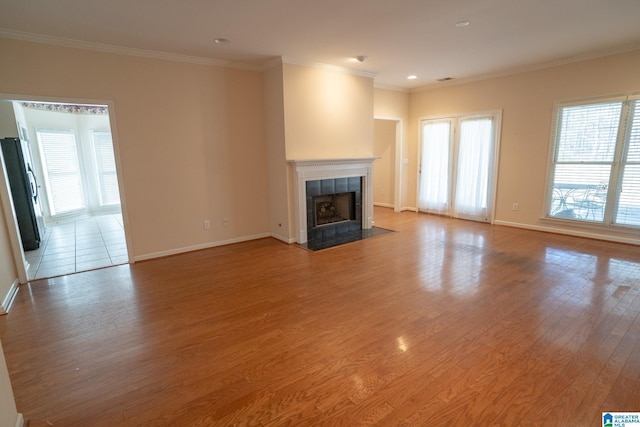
334 208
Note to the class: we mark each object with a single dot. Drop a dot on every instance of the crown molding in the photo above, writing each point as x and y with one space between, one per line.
295 61
534 67
391 87
272 62
106 48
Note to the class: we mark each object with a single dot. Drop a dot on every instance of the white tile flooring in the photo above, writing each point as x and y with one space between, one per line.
80 245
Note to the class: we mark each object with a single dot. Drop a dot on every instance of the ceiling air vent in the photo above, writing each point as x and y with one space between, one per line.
444 79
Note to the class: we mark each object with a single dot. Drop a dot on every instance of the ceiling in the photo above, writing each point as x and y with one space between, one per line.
399 37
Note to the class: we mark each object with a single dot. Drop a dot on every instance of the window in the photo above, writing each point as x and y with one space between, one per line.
62 171
595 162
105 168
456 166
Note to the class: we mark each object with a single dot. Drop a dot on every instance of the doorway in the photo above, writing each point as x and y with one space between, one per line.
458 157
387 171
73 151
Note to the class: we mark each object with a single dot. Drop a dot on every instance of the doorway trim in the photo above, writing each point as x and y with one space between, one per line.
5 192
397 196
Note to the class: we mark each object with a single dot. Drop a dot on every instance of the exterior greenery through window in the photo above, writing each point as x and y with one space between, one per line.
595 162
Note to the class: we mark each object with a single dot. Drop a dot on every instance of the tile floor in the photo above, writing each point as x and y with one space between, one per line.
80 245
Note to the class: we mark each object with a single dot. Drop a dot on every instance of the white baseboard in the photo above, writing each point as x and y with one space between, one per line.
408 208
285 239
199 247
383 205
7 302
575 233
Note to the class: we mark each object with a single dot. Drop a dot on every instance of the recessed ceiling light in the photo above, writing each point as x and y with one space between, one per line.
412 77
221 40
462 24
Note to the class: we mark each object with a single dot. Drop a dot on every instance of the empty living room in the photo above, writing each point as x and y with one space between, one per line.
320 213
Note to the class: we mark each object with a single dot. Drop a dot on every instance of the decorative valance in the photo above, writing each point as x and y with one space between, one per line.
67 108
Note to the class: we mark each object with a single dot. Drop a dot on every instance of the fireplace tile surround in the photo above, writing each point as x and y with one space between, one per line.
332 186
330 176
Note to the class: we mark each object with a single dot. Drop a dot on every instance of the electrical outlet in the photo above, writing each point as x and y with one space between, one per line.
207 224
515 207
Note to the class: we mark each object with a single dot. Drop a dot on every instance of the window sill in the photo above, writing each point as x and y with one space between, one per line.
621 229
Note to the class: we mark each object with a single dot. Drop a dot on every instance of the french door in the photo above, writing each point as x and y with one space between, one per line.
457 166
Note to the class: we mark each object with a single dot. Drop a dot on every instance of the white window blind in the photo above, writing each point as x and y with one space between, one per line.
628 212
106 168
62 171
595 165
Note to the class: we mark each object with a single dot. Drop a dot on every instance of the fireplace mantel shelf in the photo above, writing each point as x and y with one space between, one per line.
326 162
314 169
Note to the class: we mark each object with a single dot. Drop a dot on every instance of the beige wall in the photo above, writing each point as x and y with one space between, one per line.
279 213
390 104
8 126
8 272
384 137
190 138
328 114
526 100
9 416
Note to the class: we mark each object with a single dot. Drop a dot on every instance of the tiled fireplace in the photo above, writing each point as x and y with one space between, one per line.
332 197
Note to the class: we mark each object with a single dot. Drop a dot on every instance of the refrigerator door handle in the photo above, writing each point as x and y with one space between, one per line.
33 183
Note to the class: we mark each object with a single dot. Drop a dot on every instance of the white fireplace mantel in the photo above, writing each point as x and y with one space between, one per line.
311 170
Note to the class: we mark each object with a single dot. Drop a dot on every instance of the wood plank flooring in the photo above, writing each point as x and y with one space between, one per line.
445 322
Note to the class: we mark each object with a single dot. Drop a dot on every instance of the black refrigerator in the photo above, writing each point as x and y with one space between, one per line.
24 191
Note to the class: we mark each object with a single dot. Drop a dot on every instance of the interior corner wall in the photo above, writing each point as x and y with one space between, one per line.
190 138
527 102
385 166
276 154
328 113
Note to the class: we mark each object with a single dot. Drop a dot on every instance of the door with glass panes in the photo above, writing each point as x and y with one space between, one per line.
457 166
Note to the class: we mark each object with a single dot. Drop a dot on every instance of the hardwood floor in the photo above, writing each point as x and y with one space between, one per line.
444 322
